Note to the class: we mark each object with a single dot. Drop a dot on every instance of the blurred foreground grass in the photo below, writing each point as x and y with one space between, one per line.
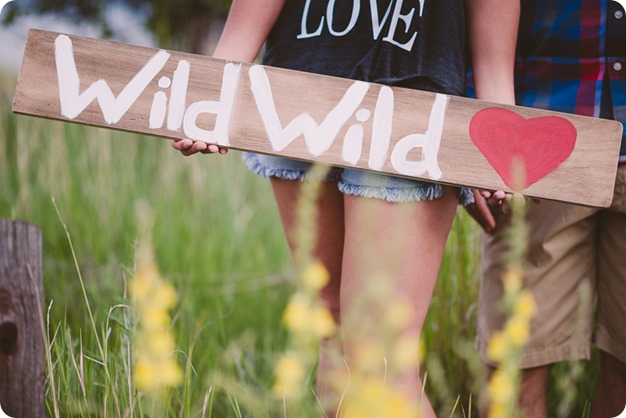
217 238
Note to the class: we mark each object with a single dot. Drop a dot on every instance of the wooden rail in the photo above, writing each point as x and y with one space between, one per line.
22 378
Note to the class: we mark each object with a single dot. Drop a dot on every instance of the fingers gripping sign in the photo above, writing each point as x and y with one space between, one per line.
189 147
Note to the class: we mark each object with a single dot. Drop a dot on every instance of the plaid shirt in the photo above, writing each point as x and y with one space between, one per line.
571 58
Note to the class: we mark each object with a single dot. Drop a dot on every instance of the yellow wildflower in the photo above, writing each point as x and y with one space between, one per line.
289 375
297 314
512 280
422 352
160 342
398 315
498 410
372 399
517 331
500 387
497 347
165 296
148 272
170 374
154 318
406 352
315 276
323 323
370 356
153 342
145 375
525 305
140 287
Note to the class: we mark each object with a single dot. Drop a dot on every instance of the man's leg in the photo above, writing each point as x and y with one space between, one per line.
561 262
533 395
610 397
533 399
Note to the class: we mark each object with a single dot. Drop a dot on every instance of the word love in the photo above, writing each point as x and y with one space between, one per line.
175 114
399 22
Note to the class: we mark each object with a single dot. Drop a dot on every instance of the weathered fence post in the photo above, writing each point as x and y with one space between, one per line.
22 379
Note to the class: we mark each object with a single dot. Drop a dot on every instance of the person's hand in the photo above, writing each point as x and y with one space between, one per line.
495 198
503 199
485 202
189 147
481 212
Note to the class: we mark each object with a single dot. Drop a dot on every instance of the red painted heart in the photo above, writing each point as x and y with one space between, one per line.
541 144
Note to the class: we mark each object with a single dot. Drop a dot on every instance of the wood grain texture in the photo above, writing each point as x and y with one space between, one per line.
586 176
22 379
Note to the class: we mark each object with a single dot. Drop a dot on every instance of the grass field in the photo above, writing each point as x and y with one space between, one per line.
217 238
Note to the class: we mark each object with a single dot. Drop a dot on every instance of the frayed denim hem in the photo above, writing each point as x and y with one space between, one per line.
466 196
404 195
393 194
298 171
254 165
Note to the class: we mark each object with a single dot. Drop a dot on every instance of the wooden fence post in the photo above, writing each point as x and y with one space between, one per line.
22 375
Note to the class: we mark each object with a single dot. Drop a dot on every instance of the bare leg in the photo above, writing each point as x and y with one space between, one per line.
399 246
533 393
610 397
329 250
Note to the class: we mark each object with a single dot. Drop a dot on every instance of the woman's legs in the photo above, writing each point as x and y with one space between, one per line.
398 245
329 233
329 250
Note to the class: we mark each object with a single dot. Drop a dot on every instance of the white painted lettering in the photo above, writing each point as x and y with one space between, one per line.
159 104
318 137
178 99
165 82
157 112
429 143
73 103
381 129
223 110
353 144
353 141
362 115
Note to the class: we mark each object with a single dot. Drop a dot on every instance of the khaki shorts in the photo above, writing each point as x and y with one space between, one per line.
576 262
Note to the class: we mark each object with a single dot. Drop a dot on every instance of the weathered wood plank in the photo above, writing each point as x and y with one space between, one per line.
403 132
22 355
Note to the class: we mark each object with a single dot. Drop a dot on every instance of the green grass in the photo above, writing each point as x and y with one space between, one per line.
218 239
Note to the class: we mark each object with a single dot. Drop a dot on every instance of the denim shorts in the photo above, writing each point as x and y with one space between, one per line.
354 182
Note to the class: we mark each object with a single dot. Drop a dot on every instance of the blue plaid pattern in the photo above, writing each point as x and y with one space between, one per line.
571 58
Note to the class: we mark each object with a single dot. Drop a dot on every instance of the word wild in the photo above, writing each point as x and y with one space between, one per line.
176 114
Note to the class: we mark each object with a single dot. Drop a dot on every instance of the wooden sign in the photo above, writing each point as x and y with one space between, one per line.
403 132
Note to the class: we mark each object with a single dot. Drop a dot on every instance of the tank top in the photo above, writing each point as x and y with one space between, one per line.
408 43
